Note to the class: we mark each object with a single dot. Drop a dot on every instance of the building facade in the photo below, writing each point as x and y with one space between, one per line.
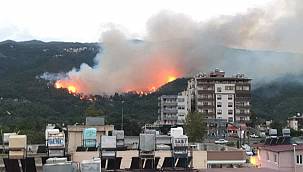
295 122
284 158
220 97
213 94
173 109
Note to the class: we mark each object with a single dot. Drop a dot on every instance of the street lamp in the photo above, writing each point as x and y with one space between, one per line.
122 115
295 165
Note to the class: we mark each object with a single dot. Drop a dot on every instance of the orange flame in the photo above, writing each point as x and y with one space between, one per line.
72 88
171 78
147 86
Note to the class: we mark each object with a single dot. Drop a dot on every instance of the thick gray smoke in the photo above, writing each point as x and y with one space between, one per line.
175 46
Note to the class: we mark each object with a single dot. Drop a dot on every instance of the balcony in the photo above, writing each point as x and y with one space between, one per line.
170 118
200 106
174 111
169 103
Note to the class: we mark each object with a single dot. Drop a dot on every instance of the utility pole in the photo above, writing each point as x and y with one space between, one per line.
122 115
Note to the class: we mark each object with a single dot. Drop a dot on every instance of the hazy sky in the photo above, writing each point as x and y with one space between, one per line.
84 20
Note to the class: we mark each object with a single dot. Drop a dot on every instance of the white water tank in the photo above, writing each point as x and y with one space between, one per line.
93 165
176 132
6 136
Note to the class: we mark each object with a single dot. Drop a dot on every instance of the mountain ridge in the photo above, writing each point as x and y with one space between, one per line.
28 104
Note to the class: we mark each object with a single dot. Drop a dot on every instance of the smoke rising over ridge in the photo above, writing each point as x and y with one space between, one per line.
175 45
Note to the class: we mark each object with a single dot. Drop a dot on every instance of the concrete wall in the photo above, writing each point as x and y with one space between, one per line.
80 156
200 159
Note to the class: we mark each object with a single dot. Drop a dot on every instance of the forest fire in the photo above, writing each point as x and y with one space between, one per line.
171 78
143 88
72 89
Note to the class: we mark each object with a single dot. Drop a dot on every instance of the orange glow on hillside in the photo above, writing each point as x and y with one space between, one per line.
141 85
171 78
71 87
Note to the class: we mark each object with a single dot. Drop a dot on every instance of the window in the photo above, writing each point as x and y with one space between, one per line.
204 95
246 88
230 119
219 97
230 97
275 158
267 155
299 159
229 87
238 87
181 107
219 89
219 112
181 99
219 104
230 112
230 104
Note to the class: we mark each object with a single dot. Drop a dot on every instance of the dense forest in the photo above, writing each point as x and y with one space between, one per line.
28 102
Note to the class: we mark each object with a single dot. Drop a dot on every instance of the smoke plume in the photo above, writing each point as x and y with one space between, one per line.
175 45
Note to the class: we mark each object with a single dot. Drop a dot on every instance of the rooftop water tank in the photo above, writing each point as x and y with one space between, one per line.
147 142
286 132
93 165
273 132
176 132
108 142
17 145
89 137
6 136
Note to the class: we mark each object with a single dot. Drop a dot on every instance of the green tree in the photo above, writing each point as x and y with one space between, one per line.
195 126
93 111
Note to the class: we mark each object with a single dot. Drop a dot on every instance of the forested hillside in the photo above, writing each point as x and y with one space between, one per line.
28 103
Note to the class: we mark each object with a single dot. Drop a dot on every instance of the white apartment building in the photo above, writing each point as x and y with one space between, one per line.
173 109
220 97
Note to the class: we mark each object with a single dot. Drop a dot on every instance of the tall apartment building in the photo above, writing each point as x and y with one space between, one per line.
173 109
221 97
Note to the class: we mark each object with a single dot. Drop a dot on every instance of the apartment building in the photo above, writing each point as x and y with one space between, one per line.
214 94
221 97
173 109
295 122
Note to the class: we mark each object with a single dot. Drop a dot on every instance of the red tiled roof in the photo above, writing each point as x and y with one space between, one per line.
280 148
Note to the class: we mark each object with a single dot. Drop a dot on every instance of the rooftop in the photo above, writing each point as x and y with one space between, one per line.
281 148
220 75
238 170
